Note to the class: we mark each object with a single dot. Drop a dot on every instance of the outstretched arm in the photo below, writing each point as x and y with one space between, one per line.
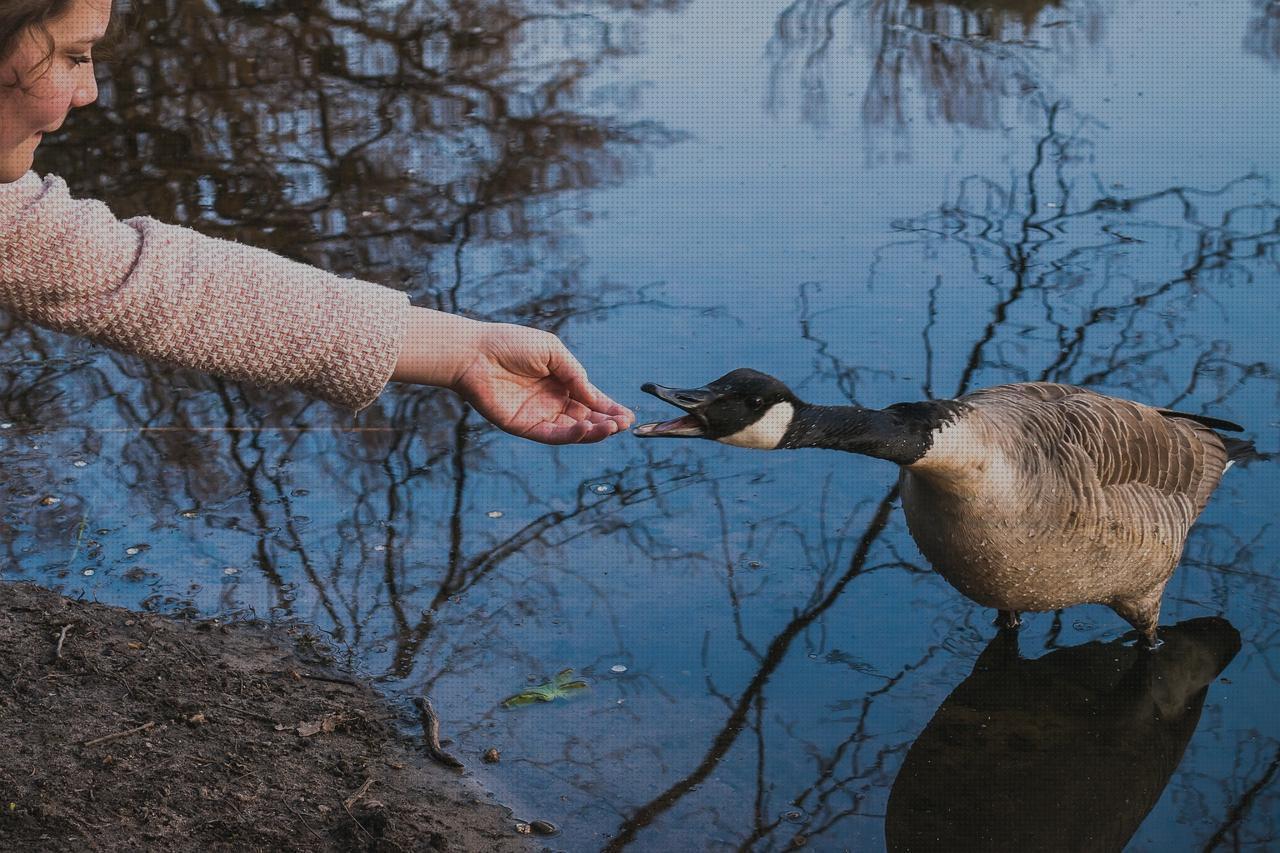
172 295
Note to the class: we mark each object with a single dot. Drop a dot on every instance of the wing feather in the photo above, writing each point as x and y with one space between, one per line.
1126 443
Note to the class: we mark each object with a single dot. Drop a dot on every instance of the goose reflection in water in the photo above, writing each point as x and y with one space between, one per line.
1069 751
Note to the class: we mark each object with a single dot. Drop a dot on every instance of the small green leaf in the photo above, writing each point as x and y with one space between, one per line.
559 687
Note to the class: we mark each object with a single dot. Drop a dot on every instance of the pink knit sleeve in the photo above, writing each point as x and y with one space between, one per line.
173 295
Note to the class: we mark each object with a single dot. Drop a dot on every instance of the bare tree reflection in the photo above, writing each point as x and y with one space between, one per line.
1263 37
742 705
430 147
1254 775
954 63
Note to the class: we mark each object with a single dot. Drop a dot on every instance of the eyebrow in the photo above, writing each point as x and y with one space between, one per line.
88 39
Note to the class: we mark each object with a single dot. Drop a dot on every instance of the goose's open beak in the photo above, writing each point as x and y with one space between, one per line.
691 425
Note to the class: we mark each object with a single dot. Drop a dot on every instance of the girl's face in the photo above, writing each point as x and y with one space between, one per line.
47 88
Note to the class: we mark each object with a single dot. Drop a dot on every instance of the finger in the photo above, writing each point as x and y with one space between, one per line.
572 432
621 415
574 410
570 371
599 432
579 411
624 417
566 431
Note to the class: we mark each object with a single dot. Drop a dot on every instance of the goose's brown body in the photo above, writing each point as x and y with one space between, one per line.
1040 496
1030 496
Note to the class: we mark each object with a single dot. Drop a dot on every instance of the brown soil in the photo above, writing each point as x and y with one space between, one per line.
150 733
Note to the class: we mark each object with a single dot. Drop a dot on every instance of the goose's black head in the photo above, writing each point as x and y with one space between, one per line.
744 408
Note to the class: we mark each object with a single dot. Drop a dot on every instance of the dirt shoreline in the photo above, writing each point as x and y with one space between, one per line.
132 731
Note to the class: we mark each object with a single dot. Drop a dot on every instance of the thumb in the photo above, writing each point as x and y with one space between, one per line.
570 371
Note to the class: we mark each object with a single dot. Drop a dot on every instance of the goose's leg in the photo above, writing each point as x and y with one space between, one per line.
1143 613
1001 653
1008 619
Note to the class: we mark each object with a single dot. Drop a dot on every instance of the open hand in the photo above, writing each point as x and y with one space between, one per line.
526 382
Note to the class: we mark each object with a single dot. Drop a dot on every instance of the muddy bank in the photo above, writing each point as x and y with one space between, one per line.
126 731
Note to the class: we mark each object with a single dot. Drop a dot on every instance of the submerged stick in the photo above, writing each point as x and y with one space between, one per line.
431 733
75 550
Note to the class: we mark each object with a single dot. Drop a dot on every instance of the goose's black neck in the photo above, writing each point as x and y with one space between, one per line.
902 433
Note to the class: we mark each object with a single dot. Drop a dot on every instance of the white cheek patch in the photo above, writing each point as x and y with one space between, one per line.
766 433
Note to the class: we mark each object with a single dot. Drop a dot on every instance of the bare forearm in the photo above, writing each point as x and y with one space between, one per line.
437 348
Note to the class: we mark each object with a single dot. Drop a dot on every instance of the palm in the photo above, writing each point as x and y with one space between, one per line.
525 406
540 393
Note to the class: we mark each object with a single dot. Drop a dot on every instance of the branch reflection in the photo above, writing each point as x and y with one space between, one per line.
1263 37
951 62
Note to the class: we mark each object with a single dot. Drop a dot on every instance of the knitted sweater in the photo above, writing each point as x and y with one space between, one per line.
172 295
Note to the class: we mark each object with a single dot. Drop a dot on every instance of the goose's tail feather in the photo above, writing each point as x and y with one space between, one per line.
1212 423
1243 452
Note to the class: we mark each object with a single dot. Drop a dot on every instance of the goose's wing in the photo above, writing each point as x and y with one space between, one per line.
1128 445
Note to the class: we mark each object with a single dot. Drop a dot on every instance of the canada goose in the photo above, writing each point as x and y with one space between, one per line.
1025 497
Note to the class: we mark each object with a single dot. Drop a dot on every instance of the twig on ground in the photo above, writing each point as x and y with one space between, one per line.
329 678
431 733
315 676
356 821
142 728
303 820
354 798
62 638
247 713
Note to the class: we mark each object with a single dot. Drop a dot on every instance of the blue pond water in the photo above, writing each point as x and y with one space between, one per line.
876 202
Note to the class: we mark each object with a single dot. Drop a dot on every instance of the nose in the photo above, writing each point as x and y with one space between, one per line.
87 92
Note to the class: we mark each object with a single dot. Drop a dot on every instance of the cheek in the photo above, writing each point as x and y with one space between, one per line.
51 97
42 105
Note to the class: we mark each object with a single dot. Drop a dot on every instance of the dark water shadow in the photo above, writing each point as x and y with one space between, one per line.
1068 751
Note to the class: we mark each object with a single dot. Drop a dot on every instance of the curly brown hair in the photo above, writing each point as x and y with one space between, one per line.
19 17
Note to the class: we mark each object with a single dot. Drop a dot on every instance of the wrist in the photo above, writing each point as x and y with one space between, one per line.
437 348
